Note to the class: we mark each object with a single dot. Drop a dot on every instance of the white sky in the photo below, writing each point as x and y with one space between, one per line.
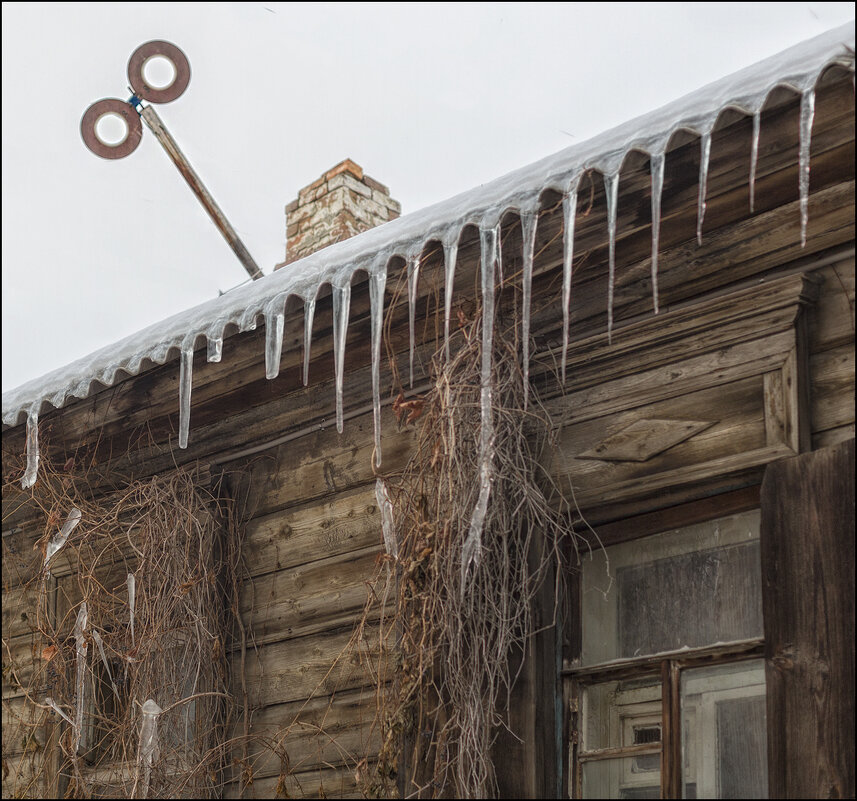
430 99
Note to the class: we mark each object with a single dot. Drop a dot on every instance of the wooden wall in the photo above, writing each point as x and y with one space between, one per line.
313 530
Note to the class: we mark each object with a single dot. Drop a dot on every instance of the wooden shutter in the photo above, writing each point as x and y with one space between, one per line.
807 541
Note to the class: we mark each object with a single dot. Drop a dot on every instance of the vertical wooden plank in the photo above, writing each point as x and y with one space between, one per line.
807 540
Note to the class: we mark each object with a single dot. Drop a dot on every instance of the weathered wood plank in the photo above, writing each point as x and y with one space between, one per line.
807 540
319 664
832 320
317 596
311 734
832 374
322 783
22 664
340 523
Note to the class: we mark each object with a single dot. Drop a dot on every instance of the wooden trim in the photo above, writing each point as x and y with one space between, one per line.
708 655
643 749
686 514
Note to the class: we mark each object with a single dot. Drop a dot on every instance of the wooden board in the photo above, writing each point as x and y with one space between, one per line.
807 539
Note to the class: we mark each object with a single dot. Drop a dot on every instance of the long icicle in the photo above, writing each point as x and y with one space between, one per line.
611 188
704 159
98 641
132 593
413 283
80 678
185 384
754 156
450 256
569 211
529 220
657 167
341 309
377 285
471 551
807 114
385 507
273 343
149 747
32 470
61 537
309 314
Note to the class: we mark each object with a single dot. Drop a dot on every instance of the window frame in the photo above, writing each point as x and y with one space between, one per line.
667 665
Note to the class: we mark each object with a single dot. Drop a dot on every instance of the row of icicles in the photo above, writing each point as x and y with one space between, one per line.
490 257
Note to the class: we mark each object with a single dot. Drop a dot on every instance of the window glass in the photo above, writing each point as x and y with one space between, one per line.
686 588
619 778
724 731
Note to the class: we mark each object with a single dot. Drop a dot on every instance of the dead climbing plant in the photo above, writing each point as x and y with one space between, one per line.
128 610
444 690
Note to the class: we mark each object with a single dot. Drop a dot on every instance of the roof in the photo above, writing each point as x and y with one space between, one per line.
798 68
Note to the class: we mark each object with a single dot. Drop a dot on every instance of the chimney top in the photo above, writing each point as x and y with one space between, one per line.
341 203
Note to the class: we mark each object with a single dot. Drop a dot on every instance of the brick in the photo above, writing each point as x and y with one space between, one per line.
344 166
291 230
290 207
350 182
376 185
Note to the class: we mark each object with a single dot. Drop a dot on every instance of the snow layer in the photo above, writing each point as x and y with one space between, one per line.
265 299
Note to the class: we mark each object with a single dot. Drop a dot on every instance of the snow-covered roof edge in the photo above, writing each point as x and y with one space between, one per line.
798 67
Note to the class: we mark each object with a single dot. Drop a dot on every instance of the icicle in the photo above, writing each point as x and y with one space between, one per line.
273 344
450 256
80 678
471 551
377 284
341 308
97 637
657 168
53 705
185 383
150 751
385 507
611 187
413 282
754 156
569 210
309 314
32 450
807 114
528 234
61 537
704 158
132 586
215 349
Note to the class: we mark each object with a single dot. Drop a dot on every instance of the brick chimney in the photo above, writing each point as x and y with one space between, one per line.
343 202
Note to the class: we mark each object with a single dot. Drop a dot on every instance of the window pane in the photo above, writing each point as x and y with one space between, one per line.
723 731
685 588
617 778
620 713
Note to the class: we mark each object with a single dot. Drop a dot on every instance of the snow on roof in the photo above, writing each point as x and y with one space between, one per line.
798 67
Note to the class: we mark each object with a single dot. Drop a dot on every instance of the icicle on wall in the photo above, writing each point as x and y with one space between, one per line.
413 285
55 706
309 314
704 160
377 285
529 221
81 648
657 168
274 323
32 451
450 256
611 187
807 114
385 507
97 637
754 156
569 210
341 308
61 537
149 749
132 591
185 383
471 551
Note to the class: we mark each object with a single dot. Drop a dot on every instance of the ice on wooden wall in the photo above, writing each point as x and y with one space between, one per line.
797 68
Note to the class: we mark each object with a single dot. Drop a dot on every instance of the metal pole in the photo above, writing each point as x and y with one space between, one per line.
157 127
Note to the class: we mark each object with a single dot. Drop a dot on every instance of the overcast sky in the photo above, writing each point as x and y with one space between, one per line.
430 99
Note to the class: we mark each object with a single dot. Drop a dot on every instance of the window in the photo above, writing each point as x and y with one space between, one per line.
667 696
